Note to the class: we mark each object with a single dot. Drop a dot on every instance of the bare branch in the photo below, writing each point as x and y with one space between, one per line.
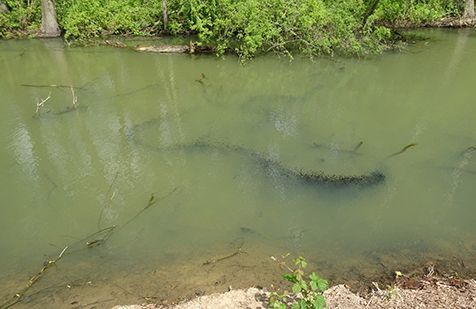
75 98
40 104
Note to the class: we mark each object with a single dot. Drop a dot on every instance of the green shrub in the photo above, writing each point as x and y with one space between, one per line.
247 27
306 289
92 18
23 19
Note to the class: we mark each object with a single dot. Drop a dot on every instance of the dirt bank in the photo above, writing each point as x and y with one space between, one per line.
405 293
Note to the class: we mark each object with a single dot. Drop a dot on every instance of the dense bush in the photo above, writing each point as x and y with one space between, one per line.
247 27
414 11
24 18
91 18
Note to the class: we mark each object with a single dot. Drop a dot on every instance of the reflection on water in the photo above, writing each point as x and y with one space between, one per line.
229 148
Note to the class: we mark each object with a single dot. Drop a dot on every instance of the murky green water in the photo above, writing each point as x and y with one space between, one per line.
220 146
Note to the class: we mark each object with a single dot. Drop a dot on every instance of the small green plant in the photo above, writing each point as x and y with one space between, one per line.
306 289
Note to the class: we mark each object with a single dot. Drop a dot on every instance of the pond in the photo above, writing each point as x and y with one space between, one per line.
197 169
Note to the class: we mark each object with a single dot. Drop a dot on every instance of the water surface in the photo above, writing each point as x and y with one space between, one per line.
212 140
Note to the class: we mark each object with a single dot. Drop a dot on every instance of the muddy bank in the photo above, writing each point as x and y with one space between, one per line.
427 293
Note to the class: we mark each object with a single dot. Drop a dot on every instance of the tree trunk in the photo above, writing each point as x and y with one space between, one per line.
370 10
3 8
49 24
164 13
469 9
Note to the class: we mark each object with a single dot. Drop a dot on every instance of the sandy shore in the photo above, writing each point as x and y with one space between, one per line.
423 293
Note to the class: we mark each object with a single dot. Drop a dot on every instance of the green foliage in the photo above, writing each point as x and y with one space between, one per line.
92 18
414 11
306 289
246 27
24 19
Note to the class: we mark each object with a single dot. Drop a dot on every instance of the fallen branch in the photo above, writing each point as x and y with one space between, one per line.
48 86
93 240
150 203
34 279
177 49
214 261
75 98
108 201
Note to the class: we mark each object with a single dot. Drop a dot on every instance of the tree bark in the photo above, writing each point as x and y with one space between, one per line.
370 10
3 8
164 13
49 24
469 9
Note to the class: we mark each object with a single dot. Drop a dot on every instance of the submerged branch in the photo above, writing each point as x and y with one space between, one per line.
152 201
48 86
19 296
403 150
108 201
93 240
214 261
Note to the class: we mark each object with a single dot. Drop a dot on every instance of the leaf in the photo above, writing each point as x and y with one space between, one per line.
322 284
313 276
296 306
300 262
290 277
319 302
313 285
296 288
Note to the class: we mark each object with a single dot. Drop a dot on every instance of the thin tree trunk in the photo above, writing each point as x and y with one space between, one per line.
49 23
469 9
3 8
370 11
164 13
